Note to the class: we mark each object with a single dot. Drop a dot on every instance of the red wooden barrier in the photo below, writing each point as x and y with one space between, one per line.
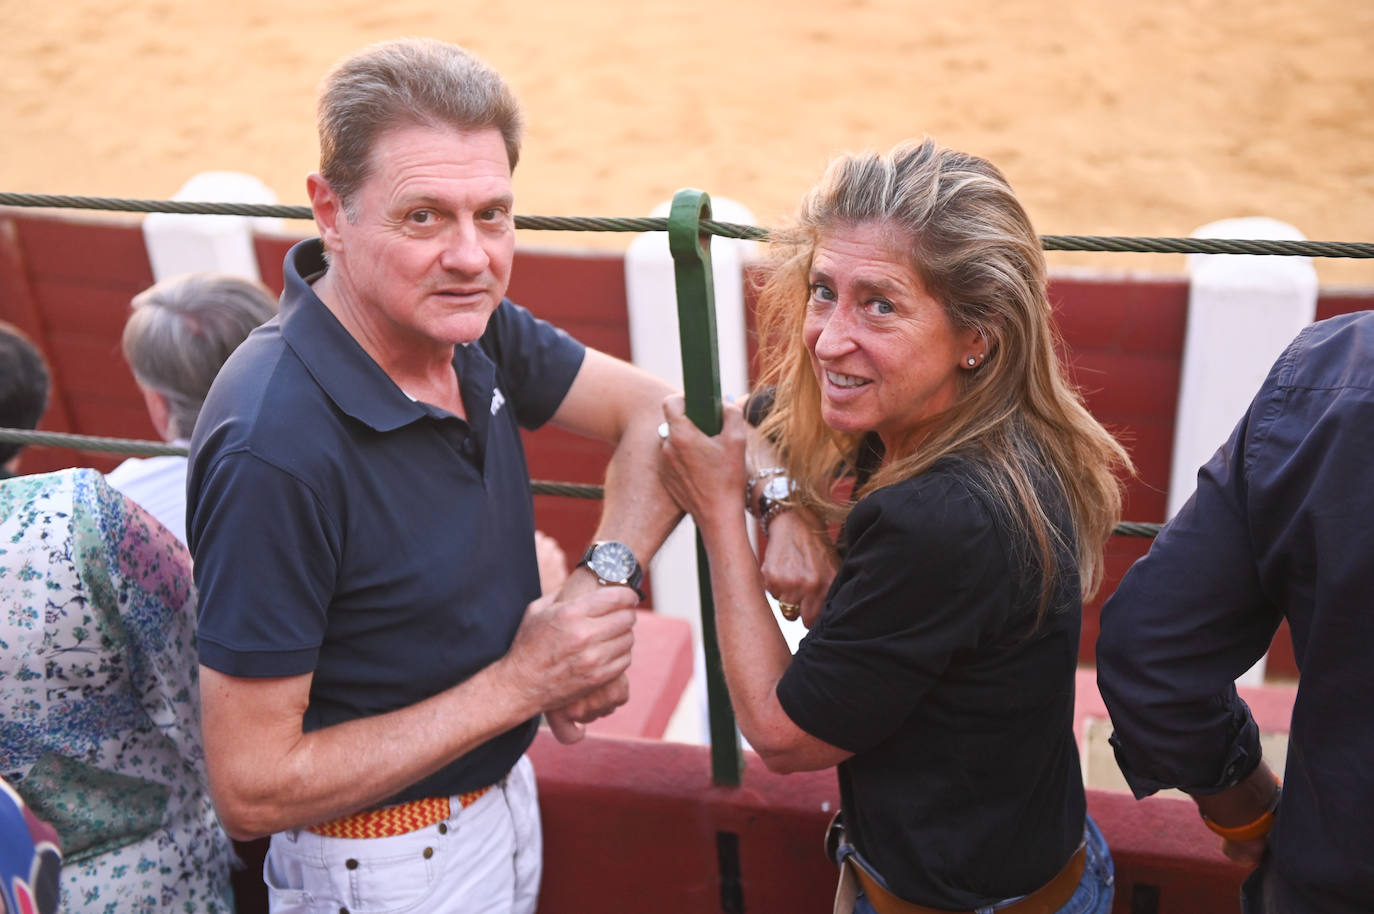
67 282
636 825
632 824
651 831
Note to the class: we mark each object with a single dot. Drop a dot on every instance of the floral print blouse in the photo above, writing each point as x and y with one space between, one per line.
99 706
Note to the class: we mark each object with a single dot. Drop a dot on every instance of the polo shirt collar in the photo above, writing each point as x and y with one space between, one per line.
342 368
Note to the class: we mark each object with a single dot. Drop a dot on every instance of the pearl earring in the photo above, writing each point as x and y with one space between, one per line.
972 361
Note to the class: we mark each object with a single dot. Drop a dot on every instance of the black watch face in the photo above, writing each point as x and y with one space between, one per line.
613 562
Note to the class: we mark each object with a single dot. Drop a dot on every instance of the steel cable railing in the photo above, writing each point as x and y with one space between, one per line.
1110 244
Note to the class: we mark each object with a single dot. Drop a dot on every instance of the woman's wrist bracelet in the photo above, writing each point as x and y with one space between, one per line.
759 475
1252 830
766 516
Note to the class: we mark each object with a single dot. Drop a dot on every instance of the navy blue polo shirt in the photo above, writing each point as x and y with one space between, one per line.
341 528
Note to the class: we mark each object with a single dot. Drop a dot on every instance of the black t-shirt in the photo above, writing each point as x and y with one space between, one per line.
965 787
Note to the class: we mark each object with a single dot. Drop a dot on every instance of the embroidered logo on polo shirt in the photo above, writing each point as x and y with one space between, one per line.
497 400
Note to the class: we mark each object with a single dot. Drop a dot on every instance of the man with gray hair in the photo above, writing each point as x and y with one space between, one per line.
374 660
178 335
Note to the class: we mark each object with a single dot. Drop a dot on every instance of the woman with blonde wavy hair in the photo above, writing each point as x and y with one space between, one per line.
918 402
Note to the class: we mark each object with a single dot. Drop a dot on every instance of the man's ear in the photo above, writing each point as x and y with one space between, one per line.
159 412
328 209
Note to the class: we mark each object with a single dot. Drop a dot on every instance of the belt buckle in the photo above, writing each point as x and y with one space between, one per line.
834 836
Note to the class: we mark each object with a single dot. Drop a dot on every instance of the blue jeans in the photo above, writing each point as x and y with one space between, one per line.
1094 892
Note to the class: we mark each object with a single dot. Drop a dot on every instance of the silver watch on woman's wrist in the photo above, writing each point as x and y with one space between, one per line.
774 498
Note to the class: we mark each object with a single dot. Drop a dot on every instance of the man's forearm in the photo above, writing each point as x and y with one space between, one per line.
621 404
1185 621
266 775
637 510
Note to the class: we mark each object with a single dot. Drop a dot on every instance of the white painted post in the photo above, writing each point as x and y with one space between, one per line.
1242 311
179 243
651 296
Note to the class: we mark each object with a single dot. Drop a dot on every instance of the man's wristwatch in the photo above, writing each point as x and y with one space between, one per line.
775 498
614 563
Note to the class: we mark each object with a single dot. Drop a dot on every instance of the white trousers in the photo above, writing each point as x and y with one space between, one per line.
486 858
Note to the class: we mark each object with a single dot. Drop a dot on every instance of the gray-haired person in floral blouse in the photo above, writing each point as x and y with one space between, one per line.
99 710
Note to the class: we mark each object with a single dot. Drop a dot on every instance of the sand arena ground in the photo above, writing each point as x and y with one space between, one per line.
1140 118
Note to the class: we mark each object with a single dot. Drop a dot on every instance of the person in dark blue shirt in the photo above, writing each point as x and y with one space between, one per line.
1281 526
374 654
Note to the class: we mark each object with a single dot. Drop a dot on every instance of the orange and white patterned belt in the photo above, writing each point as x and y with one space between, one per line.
395 820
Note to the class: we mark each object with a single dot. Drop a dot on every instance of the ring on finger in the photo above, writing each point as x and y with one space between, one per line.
790 611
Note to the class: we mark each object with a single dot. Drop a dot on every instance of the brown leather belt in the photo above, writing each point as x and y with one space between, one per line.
1050 897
